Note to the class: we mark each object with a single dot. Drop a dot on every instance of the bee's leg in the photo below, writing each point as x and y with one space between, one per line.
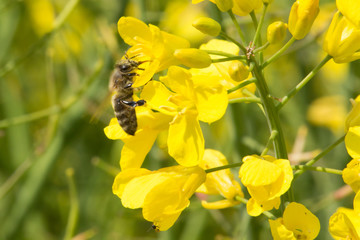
133 103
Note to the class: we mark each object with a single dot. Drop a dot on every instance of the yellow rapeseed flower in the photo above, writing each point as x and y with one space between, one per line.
351 174
136 147
239 7
352 140
220 182
297 223
162 194
223 70
353 118
342 40
150 44
345 222
266 179
191 99
350 9
302 16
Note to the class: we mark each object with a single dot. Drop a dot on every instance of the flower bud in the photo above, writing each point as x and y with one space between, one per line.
342 40
243 8
224 5
207 26
238 71
193 57
302 16
276 32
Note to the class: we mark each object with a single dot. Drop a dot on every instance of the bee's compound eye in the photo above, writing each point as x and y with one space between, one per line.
125 67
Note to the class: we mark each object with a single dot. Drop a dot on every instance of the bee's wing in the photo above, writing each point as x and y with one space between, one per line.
100 111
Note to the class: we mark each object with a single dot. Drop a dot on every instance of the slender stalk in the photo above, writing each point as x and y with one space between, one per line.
238 28
270 141
303 82
241 85
263 47
210 170
278 53
224 35
319 156
109 169
317 169
257 35
74 206
228 59
245 100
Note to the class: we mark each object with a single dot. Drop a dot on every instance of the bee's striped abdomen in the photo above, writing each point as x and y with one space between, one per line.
125 114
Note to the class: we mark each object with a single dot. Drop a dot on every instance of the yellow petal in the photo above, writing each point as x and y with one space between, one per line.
298 219
136 148
137 189
351 174
185 140
279 231
221 204
255 208
352 140
350 10
114 131
344 224
258 172
125 177
157 97
211 98
133 30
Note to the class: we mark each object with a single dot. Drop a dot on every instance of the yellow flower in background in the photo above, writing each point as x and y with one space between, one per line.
224 70
162 194
352 140
42 15
342 40
351 174
220 182
266 179
350 9
187 12
136 147
150 44
239 7
329 112
353 118
297 223
243 8
192 98
302 16
345 222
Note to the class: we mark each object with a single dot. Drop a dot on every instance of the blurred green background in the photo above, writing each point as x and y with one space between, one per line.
54 80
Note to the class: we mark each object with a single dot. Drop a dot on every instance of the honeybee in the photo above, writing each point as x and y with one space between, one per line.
121 81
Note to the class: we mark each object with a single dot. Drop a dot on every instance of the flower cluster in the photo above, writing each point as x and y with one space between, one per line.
181 87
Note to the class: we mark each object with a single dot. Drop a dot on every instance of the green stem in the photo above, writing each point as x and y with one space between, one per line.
59 21
111 170
228 59
74 206
303 82
245 100
270 141
265 213
257 35
317 169
319 156
224 35
270 112
220 53
278 53
238 28
241 85
263 47
54 109
210 170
